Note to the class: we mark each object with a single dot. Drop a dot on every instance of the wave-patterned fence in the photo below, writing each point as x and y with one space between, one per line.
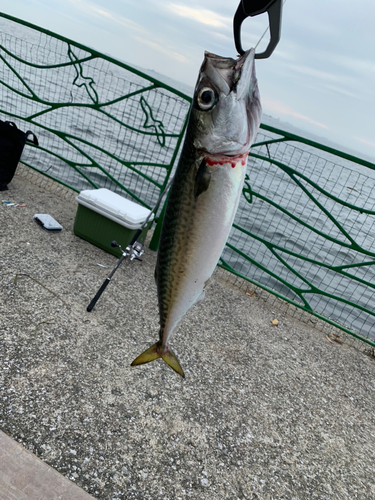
305 226
305 229
99 122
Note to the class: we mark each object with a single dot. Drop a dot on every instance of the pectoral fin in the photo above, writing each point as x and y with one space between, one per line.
202 179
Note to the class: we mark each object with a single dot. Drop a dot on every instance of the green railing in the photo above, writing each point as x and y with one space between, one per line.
99 122
305 229
305 226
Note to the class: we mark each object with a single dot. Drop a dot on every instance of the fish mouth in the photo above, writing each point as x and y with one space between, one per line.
226 124
230 75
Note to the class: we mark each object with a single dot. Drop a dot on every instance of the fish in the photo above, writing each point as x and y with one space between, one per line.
203 199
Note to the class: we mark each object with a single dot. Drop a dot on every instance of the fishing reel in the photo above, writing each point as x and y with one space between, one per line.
134 251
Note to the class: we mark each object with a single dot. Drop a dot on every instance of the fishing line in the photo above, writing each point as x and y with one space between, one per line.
265 31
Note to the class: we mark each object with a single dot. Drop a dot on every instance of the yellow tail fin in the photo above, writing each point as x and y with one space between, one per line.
155 352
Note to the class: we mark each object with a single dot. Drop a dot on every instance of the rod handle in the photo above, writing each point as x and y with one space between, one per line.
91 306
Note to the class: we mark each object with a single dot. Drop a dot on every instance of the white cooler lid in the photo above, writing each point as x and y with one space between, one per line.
112 205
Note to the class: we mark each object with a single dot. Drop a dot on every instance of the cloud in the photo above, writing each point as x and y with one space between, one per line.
160 48
279 108
364 66
203 16
96 11
315 73
222 36
140 34
365 141
102 13
342 91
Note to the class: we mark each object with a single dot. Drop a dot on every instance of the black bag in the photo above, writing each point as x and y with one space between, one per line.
12 142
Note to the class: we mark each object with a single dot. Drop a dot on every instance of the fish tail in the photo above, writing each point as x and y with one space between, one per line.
155 352
171 359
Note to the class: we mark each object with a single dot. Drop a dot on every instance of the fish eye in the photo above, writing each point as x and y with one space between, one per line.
206 98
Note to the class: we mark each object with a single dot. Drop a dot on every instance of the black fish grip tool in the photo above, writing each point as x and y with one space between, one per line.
251 8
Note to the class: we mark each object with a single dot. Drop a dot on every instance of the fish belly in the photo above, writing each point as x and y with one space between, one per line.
210 217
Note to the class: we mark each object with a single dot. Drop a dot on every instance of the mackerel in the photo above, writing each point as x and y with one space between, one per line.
205 193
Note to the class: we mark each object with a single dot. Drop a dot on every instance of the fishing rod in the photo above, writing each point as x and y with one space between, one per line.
133 251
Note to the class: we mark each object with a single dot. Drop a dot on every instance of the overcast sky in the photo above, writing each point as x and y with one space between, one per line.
321 78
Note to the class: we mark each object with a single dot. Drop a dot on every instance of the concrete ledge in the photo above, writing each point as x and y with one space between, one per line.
265 412
24 477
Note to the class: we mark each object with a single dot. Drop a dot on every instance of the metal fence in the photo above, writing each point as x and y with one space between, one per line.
305 228
99 122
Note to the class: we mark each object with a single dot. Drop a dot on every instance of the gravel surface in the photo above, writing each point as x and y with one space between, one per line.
265 412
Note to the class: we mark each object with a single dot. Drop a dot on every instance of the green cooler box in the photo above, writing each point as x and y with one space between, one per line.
103 216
